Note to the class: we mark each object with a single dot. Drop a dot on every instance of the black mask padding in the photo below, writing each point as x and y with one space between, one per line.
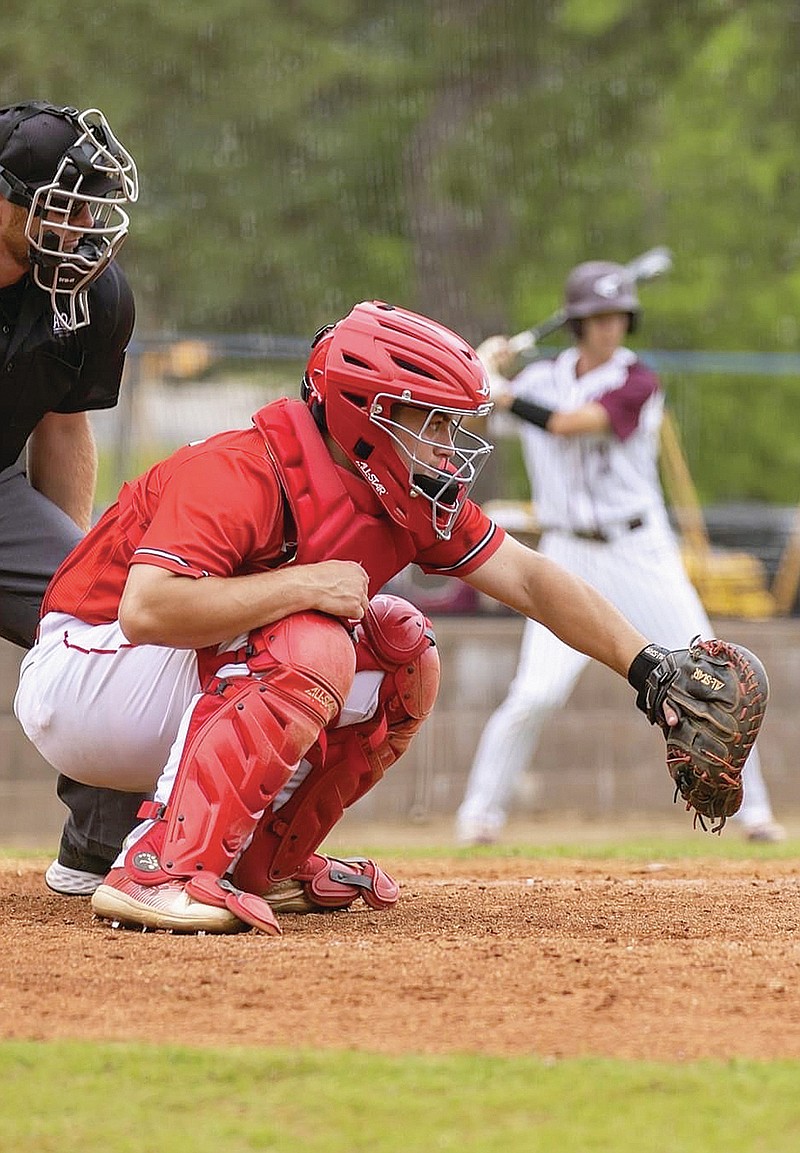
432 487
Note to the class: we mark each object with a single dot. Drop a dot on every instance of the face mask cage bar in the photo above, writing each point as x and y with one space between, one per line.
445 486
75 229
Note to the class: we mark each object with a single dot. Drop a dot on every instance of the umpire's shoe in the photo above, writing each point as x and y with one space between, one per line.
74 873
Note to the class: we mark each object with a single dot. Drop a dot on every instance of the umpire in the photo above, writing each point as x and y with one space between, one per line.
66 316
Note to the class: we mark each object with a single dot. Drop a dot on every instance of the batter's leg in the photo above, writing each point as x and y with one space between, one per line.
755 815
545 677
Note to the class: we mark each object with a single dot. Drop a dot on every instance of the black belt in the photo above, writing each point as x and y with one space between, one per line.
602 535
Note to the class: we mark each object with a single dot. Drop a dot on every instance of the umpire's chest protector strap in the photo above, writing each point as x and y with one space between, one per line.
329 524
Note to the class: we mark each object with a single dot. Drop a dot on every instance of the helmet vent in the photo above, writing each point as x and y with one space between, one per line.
348 358
415 368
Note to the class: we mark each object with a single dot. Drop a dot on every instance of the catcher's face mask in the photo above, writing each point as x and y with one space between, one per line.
443 458
76 219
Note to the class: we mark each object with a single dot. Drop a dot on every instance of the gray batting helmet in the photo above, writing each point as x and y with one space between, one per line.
599 286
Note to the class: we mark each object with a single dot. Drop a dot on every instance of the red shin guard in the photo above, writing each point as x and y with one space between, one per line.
397 639
245 737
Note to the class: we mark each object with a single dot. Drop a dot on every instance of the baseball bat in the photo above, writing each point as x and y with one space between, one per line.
655 262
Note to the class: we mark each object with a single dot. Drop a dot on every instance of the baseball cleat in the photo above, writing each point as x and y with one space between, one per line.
290 897
473 833
325 884
768 833
475 840
166 906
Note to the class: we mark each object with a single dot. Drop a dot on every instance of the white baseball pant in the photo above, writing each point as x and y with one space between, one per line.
115 715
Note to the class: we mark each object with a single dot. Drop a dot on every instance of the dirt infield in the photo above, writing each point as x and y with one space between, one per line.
668 961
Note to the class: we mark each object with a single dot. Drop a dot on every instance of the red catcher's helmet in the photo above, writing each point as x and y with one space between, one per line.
376 358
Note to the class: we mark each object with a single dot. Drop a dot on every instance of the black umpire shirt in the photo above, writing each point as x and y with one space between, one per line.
46 369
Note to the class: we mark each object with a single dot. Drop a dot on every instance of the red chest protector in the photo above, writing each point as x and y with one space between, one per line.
330 523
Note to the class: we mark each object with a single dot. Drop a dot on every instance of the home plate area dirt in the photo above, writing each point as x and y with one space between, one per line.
666 961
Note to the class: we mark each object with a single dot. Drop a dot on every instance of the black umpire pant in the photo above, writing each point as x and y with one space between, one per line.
35 536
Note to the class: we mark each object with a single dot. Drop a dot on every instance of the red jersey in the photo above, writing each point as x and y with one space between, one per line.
218 508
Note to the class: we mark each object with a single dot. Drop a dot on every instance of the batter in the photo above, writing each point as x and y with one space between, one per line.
590 423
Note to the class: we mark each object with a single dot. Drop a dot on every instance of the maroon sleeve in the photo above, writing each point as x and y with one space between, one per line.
624 404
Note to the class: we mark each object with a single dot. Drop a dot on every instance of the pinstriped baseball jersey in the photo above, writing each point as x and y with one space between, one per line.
592 482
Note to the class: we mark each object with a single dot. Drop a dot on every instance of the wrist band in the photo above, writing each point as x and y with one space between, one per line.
643 664
531 411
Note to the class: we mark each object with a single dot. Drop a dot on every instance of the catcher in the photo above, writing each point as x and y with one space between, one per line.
222 631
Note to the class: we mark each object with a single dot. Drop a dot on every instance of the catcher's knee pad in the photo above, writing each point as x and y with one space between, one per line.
324 883
396 638
245 737
394 630
309 645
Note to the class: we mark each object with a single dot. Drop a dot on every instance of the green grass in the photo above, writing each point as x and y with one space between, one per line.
696 847
666 843
644 849
663 843
74 1098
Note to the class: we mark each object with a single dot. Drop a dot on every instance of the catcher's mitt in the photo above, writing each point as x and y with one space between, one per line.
719 691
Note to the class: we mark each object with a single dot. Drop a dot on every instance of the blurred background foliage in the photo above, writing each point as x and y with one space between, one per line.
458 157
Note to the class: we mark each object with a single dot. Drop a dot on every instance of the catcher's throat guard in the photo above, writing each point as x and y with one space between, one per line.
719 692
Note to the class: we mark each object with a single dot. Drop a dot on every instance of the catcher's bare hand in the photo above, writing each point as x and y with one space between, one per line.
709 700
339 588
